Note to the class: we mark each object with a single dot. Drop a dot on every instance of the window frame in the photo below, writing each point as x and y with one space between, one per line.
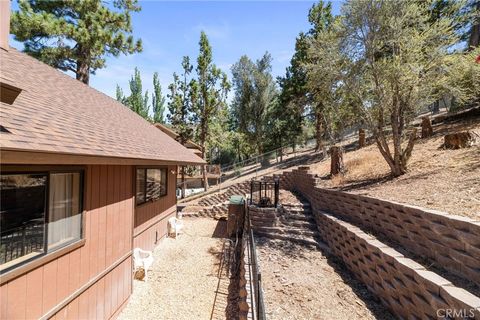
145 168
47 255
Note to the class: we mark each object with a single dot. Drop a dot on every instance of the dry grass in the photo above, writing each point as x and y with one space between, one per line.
446 180
338 180
366 163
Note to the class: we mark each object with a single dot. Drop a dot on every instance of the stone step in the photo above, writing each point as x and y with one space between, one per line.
288 231
303 205
309 241
298 216
308 224
297 210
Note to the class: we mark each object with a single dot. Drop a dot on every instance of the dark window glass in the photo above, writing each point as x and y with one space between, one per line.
151 184
28 227
140 198
22 217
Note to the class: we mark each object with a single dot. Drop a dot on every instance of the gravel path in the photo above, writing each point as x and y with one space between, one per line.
301 283
184 279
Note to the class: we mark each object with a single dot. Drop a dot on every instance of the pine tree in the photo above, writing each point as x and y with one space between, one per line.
182 97
75 35
119 94
158 100
137 101
254 96
295 95
213 87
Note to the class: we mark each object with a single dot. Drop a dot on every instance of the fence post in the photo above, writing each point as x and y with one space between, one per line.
251 191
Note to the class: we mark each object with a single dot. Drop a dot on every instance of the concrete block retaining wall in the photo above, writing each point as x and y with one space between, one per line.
262 217
451 241
406 287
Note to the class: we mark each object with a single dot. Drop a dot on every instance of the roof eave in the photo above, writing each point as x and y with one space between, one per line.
21 156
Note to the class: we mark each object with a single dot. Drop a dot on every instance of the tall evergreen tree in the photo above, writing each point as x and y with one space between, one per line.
158 100
294 94
75 35
183 95
137 101
213 87
254 96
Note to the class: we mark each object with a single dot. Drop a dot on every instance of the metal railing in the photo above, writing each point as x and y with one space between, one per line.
268 158
256 289
264 193
20 241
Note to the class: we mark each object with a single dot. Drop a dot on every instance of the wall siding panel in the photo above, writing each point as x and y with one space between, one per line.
108 225
49 286
63 273
17 302
34 294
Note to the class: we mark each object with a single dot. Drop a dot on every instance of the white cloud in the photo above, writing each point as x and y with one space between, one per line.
218 31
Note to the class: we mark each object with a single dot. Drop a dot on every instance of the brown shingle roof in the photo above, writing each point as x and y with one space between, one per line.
172 133
56 113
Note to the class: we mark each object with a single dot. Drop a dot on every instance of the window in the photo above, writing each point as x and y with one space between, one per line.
40 212
140 198
64 212
151 184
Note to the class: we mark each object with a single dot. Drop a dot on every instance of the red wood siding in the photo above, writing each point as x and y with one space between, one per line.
151 217
108 234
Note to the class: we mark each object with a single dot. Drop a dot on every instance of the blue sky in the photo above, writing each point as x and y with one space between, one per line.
170 30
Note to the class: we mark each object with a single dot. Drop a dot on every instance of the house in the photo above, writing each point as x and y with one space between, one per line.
194 178
84 180
194 147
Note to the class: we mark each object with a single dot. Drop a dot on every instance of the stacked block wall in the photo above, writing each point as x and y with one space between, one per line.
453 242
404 286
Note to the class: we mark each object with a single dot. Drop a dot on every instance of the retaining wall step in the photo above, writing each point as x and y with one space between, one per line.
308 224
294 238
302 217
303 205
287 231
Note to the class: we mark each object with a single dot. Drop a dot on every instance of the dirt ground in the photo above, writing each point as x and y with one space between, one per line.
446 180
186 276
437 178
302 283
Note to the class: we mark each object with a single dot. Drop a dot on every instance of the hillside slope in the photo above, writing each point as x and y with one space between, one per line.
446 180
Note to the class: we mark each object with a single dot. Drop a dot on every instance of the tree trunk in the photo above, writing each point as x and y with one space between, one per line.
205 179
427 130
318 131
474 40
401 159
183 181
203 137
336 165
361 138
459 140
83 72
